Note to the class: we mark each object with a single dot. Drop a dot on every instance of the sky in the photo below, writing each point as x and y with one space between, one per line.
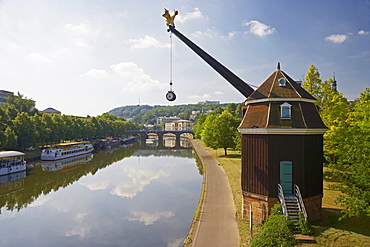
87 57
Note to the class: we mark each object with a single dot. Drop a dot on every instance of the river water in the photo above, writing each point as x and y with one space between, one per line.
119 197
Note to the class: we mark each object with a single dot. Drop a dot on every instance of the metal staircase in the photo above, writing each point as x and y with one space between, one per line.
292 204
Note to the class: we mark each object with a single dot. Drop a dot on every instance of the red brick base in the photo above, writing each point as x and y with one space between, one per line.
261 207
313 207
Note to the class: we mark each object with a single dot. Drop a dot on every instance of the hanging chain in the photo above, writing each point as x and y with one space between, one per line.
170 61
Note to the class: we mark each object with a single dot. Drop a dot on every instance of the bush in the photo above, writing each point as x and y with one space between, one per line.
303 225
276 231
277 209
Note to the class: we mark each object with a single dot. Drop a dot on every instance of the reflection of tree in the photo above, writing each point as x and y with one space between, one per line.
38 182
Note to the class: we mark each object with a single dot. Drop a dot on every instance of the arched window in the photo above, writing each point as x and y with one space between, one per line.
286 110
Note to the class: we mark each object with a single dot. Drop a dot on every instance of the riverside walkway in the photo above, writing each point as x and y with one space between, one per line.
217 223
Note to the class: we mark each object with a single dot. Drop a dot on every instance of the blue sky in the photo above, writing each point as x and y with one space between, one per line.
87 57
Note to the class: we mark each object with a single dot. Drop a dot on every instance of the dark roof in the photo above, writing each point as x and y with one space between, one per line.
263 106
270 88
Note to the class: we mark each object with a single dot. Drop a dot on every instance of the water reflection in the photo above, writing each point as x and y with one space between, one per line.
65 164
120 197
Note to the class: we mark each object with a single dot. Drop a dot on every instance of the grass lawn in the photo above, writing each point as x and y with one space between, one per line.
327 232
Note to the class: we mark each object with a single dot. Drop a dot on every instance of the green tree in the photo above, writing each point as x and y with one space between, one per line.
24 129
41 133
199 126
220 131
313 82
10 139
353 166
22 104
208 134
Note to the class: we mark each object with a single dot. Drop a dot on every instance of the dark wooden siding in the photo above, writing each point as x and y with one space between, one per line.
261 162
313 170
255 164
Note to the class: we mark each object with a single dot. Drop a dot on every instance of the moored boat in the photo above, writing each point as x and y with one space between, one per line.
128 140
66 150
11 162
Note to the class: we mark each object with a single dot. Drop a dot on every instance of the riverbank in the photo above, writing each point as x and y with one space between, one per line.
328 231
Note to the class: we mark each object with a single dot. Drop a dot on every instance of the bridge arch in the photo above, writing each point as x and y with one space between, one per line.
160 133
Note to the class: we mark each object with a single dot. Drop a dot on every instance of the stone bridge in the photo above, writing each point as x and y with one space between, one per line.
160 133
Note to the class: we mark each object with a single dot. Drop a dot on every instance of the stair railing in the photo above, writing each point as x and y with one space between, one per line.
282 200
298 195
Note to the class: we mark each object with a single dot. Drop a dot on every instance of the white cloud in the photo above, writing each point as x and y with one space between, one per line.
82 43
218 93
146 42
96 186
204 96
138 80
97 73
337 38
40 201
140 178
209 33
39 57
82 232
196 14
362 32
175 242
149 218
80 28
259 28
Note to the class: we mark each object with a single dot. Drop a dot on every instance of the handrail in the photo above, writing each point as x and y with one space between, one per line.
282 200
297 193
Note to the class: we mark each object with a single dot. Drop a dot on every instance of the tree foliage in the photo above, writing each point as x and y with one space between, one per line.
21 125
218 130
347 141
276 231
353 165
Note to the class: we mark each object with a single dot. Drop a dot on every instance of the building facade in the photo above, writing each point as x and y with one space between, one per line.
3 95
179 125
282 144
52 111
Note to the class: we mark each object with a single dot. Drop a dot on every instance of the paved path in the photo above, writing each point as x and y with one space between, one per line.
217 224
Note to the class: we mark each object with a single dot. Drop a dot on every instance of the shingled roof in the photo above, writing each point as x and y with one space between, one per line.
263 108
270 88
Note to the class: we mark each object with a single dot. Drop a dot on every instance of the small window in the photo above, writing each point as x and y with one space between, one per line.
286 110
282 82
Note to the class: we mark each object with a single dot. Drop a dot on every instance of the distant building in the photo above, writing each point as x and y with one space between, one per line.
161 120
3 95
52 111
209 102
179 125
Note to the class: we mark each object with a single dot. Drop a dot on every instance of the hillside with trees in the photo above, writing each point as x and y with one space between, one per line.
145 114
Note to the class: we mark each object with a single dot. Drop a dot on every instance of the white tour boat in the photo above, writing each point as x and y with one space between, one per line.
66 150
11 162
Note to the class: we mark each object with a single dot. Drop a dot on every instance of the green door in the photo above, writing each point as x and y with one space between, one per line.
286 176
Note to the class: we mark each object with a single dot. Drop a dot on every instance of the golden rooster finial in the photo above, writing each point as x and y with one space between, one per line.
169 19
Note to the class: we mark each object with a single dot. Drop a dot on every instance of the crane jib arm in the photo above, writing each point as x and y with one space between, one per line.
234 80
